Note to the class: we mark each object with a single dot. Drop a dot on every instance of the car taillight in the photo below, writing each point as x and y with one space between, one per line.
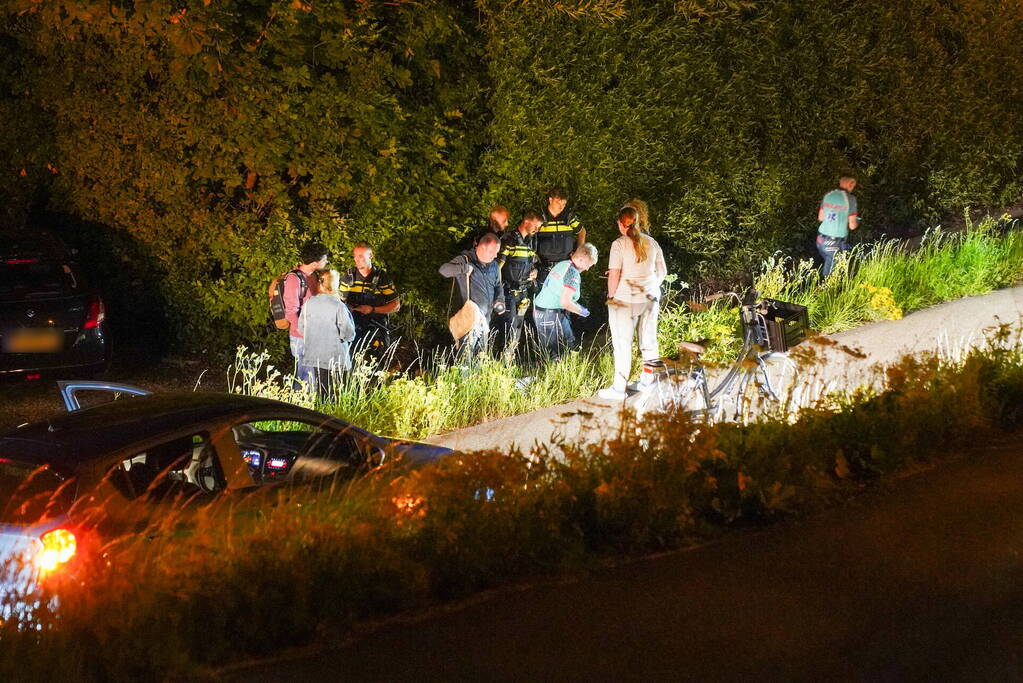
59 546
95 314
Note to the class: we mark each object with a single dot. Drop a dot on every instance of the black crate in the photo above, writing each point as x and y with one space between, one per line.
785 324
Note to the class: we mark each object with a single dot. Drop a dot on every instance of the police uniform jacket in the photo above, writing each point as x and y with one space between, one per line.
375 289
517 258
556 239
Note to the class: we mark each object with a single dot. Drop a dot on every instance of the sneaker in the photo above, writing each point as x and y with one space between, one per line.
612 394
639 386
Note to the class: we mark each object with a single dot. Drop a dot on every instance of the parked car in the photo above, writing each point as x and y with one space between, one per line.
144 449
50 318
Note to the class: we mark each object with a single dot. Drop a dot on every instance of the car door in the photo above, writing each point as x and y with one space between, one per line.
71 391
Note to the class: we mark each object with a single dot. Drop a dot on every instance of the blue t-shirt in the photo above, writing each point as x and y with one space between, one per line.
562 275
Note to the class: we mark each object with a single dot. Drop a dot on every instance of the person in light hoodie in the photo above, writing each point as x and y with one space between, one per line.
327 326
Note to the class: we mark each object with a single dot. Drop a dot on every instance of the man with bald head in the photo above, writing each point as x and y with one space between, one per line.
479 280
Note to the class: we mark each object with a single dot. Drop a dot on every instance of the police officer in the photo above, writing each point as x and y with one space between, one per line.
555 241
517 260
497 224
371 297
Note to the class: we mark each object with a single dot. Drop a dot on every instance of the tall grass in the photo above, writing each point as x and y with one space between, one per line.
248 576
887 279
441 394
882 281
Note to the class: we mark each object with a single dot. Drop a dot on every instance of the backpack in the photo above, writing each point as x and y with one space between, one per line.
276 292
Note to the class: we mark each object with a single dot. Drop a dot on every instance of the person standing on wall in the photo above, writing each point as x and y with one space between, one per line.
560 233
558 297
517 260
299 285
636 270
479 281
328 330
370 294
837 215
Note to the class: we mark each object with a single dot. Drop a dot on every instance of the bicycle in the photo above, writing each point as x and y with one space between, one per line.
758 377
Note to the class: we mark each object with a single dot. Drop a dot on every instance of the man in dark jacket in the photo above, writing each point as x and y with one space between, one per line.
517 260
479 280
557 238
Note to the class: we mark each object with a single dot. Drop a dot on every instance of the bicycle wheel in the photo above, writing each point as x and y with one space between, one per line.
673 393
765 381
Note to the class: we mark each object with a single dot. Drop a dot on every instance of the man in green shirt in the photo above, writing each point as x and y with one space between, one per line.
837 215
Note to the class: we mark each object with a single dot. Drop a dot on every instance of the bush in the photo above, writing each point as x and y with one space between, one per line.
216 135
298 563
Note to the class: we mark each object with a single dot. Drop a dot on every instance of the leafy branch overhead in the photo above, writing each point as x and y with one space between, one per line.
213 135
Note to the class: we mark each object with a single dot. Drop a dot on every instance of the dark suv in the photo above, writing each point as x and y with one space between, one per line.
50 319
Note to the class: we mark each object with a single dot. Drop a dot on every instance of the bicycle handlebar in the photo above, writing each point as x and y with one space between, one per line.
750 300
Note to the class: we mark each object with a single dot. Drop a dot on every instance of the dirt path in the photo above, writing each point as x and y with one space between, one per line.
947 327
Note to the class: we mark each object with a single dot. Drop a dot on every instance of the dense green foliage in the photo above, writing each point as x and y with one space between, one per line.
200 141
733 126
306 564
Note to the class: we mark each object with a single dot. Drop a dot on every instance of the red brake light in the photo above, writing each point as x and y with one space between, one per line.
20 261
59 546
96 313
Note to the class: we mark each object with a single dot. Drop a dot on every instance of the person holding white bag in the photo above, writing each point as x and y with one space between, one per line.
636 270
479 282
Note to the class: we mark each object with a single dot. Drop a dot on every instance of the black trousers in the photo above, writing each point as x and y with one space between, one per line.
516 305
374 339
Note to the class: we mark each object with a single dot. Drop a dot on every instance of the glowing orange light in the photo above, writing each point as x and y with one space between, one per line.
59 546
407 503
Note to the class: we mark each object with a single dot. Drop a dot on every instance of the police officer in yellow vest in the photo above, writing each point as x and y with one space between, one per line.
557 237
371 297
517 260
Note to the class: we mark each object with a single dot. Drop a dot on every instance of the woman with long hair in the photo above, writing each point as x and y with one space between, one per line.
636 270
328 329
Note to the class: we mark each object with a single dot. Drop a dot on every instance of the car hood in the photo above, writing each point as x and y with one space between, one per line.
415 452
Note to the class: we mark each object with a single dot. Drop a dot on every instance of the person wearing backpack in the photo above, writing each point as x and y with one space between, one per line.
297 286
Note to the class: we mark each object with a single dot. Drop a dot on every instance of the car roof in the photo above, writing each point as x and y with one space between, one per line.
31 243
71 438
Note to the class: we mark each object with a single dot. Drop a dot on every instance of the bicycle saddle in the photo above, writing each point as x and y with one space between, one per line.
695 348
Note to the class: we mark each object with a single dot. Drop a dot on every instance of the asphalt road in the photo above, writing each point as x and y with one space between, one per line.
919 580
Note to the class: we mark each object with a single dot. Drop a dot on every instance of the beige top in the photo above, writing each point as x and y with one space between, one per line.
640 280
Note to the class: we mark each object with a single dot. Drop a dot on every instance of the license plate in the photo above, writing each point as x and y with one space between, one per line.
34 341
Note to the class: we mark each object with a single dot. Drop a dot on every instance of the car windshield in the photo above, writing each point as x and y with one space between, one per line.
31 494
30 277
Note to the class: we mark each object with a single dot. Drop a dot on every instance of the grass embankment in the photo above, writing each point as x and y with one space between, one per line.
876 282
880 281
308 566
441 396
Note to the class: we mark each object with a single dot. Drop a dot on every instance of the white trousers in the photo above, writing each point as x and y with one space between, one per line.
624 320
